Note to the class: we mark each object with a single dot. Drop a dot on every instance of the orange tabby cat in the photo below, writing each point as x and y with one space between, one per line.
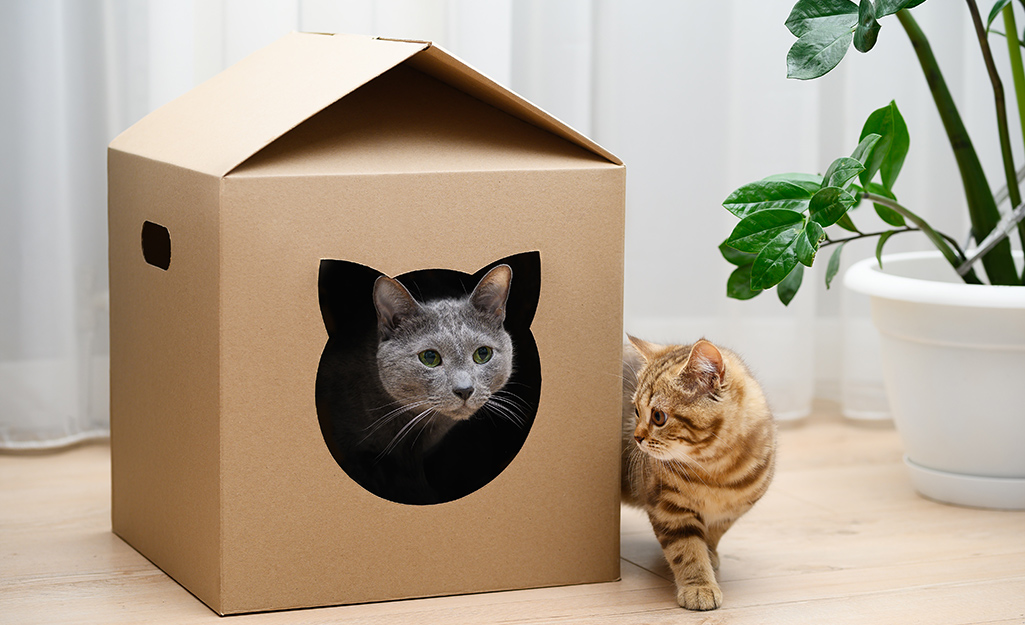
698 452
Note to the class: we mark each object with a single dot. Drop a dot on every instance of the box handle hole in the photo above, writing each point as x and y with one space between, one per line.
156 245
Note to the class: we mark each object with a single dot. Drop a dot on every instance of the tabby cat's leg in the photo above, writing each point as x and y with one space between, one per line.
714 533
684 545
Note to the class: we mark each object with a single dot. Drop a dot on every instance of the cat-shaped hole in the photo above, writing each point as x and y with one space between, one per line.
430 381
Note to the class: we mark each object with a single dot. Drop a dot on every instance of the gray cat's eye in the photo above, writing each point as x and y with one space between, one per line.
482 355
430 358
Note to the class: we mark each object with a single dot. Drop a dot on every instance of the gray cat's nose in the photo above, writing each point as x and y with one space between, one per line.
463 393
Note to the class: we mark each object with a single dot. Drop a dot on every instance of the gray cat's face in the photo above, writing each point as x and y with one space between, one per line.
445 356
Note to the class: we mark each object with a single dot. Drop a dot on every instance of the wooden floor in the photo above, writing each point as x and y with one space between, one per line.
839 538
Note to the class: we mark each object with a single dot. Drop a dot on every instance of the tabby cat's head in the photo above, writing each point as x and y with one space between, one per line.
688 398
445 356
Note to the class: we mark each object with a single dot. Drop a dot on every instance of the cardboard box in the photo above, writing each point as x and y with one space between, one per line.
392 156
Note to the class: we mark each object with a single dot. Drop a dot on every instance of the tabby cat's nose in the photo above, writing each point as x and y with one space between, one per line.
639 439
463 393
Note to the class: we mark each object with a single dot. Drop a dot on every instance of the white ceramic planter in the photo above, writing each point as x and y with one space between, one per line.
954 368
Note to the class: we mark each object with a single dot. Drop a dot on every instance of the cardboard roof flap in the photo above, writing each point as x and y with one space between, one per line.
221 123
441 64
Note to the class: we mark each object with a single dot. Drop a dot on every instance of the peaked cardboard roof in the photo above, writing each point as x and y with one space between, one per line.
221 123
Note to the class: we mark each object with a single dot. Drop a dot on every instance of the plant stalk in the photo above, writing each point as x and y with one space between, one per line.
943 243
1014 54
1001 104
866 235
1018 76
982 208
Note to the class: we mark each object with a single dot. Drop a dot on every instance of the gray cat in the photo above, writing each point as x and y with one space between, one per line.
440 361
429 382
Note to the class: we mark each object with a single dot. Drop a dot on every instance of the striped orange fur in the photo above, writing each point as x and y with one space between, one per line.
698 451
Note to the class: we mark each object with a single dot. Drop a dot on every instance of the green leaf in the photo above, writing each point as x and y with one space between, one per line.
833 267
864 150
754 232
810 182
777 258
808 15
883 238
888 156
841 172
808 243
886 213
890 216
734 256
768 194
856 191
818 51
847 224
867 32
829 205
805 250
995 11
787 289
815 233
889 7
738 286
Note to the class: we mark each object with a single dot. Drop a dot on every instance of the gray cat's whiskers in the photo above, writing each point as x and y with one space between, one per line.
509 406
406 429
429 421
379 423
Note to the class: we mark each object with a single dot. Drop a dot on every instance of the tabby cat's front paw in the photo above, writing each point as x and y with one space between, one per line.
699 597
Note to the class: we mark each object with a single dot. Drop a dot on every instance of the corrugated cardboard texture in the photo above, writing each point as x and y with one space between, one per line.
408 122
215 126
221 474
557 498
165 436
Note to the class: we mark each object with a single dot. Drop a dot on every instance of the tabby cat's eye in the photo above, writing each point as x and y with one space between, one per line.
430 358
658 417
482 355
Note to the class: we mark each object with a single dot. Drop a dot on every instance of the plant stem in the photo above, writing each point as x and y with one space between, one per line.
1018 75
981 208
942 242
866 235
1014 54
998 96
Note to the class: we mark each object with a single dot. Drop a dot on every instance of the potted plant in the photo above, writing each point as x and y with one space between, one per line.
954 374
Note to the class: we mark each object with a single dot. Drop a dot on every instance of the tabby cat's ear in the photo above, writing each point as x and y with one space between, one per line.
646 349
706 365
492 292
394 304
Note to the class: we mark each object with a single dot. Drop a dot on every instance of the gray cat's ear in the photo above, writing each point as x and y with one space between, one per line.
393 303
647 350
706 365
492 292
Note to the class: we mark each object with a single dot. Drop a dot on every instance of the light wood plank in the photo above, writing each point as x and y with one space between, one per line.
839 538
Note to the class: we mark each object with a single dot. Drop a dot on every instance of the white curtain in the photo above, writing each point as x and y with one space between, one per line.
691 95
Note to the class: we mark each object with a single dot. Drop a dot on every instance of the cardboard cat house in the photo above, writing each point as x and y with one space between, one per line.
391 158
